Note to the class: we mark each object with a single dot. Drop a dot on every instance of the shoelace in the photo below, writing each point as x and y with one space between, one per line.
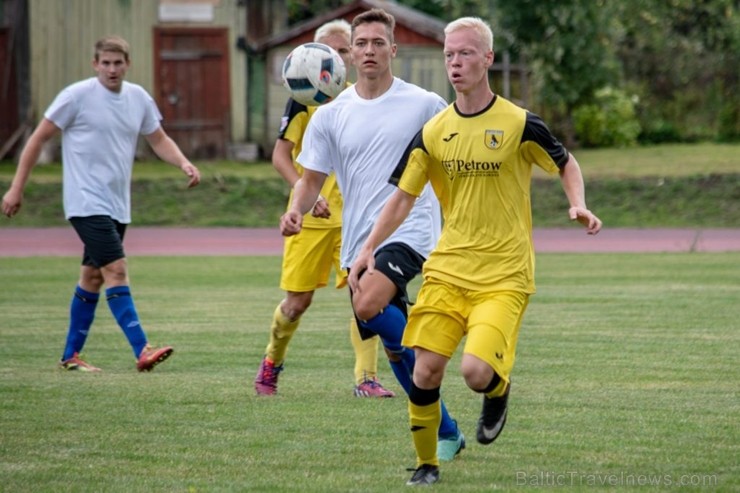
269 373
77 359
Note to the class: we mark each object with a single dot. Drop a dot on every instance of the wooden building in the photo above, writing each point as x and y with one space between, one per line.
183 52
13 83
213 66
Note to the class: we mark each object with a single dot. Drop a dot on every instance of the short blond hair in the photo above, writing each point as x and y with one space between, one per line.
338 26
476 24
115 44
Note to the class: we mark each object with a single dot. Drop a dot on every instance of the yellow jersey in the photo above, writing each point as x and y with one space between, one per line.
480 167
292 127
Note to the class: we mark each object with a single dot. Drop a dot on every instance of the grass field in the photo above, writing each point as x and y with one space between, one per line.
694 185
627 372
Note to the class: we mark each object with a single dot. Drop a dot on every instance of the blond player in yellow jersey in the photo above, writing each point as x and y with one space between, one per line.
308 258
478 155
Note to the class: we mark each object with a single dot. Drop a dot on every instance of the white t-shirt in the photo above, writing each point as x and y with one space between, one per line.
362 140
100 129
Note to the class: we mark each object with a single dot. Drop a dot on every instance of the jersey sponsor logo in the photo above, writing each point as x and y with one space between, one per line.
494 139
460 168
395 268
450 137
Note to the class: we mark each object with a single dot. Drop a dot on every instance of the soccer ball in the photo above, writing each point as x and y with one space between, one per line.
314 73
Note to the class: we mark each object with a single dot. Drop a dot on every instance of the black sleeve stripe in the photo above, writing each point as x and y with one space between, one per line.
292 108
536 131
416 143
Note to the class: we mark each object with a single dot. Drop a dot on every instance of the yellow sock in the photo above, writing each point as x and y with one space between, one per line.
425 422
366 354
281 332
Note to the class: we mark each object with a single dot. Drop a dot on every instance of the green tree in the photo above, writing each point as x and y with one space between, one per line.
681 57
448 10
684 57
569 45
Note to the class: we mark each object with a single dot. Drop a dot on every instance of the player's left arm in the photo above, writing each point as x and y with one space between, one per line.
540 146
572 181
168 151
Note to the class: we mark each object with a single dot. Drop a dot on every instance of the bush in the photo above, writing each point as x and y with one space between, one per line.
729 122
610 121
660 132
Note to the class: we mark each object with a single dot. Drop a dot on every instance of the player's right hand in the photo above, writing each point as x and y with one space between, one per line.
365 261
291 223
321 208
11 203
192 172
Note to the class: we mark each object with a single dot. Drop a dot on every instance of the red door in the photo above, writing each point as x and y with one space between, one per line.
8 94
191 86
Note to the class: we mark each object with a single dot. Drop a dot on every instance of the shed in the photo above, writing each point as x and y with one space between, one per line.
183 52
419 60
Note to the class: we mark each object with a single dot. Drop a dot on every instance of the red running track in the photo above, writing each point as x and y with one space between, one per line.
63 241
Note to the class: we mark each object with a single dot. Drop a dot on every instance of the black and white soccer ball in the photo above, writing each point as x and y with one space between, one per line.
314 73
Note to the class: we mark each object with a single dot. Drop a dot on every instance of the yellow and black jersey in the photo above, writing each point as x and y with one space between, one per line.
480 167
292 127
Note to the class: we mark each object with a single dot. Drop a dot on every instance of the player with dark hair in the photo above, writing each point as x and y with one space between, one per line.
308 257
360 136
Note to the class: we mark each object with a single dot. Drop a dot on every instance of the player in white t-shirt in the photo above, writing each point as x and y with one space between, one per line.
361 136
100 120
309 257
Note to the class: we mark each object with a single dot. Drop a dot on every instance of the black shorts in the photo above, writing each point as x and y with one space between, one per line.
400 263
102 237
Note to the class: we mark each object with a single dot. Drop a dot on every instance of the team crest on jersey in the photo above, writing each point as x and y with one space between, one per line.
448 167
494 139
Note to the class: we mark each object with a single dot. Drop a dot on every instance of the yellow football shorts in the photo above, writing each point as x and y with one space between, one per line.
308 258
444 314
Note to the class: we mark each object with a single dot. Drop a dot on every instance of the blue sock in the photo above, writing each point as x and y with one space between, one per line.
81 315
402 373
389 325
448 426
122 306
